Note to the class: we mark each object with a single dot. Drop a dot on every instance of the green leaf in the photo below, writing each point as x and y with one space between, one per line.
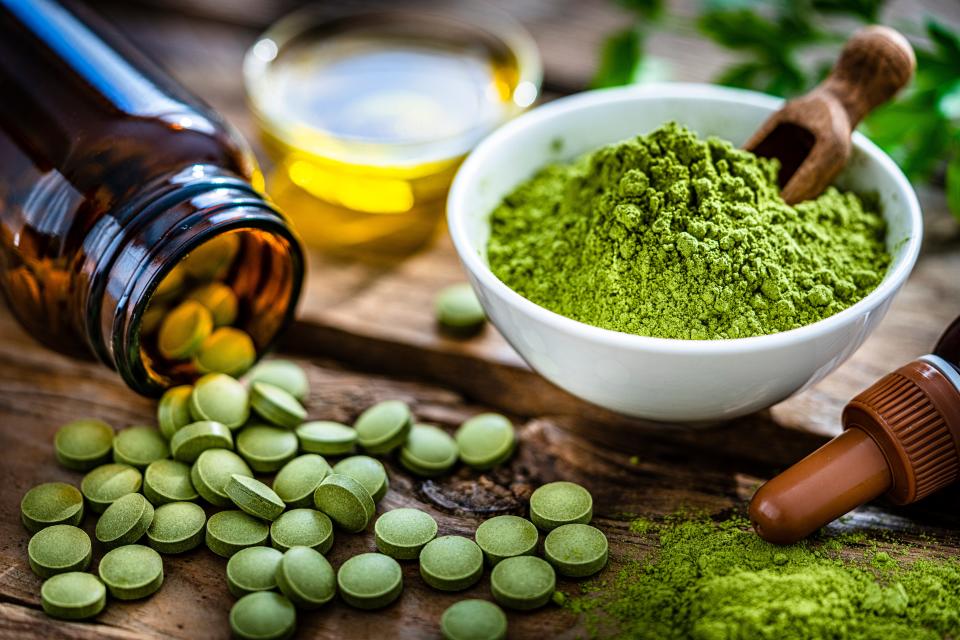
920 130
649 9
866 10
926 149
947 41
743 27
948 104
772 39
789 80
916 130
953 185
933 73
910 131
728 5
745 75
651 69
738 29
621 57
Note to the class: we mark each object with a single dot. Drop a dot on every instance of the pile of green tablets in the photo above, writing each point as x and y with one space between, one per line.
298 479
368 471
144 482
188 321
346 501
148 484
482 442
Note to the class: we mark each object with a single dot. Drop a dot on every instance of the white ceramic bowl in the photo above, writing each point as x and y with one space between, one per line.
656 378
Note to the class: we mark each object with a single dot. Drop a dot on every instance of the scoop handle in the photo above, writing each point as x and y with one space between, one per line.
875 63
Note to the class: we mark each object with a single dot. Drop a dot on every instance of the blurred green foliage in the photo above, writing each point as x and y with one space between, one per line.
622 60
786 46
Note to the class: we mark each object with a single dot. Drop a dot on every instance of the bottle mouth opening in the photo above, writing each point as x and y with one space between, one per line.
243 266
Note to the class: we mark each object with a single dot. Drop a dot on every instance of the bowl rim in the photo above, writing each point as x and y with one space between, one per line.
472 167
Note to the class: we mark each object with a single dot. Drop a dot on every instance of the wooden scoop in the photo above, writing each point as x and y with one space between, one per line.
810 135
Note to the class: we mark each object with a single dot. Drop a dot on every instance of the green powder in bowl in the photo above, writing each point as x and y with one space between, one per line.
671 236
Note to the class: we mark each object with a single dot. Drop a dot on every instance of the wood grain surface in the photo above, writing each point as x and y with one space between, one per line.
630 470
367 333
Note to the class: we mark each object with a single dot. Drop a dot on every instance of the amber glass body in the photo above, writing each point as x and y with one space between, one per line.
111 173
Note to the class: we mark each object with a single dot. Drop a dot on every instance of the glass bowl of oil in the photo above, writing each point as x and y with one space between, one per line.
368 116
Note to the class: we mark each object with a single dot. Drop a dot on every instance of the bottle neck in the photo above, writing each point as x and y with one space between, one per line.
132 251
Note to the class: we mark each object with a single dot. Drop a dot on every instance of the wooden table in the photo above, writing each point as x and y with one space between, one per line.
356 357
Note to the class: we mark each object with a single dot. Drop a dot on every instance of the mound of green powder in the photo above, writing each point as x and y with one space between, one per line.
672 236
719 581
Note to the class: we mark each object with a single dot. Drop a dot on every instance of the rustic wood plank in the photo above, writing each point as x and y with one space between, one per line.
365 360
713 471
22 622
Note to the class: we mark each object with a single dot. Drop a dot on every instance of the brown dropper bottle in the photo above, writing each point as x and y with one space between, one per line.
901 438
111 175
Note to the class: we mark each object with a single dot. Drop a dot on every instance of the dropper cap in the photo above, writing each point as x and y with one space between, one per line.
901 438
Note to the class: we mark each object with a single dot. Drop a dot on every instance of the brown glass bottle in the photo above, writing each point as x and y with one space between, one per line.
110 175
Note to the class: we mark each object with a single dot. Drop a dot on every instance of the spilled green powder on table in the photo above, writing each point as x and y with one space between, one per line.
672 236
719 581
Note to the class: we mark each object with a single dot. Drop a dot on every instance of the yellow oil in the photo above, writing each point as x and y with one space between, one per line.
368 131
